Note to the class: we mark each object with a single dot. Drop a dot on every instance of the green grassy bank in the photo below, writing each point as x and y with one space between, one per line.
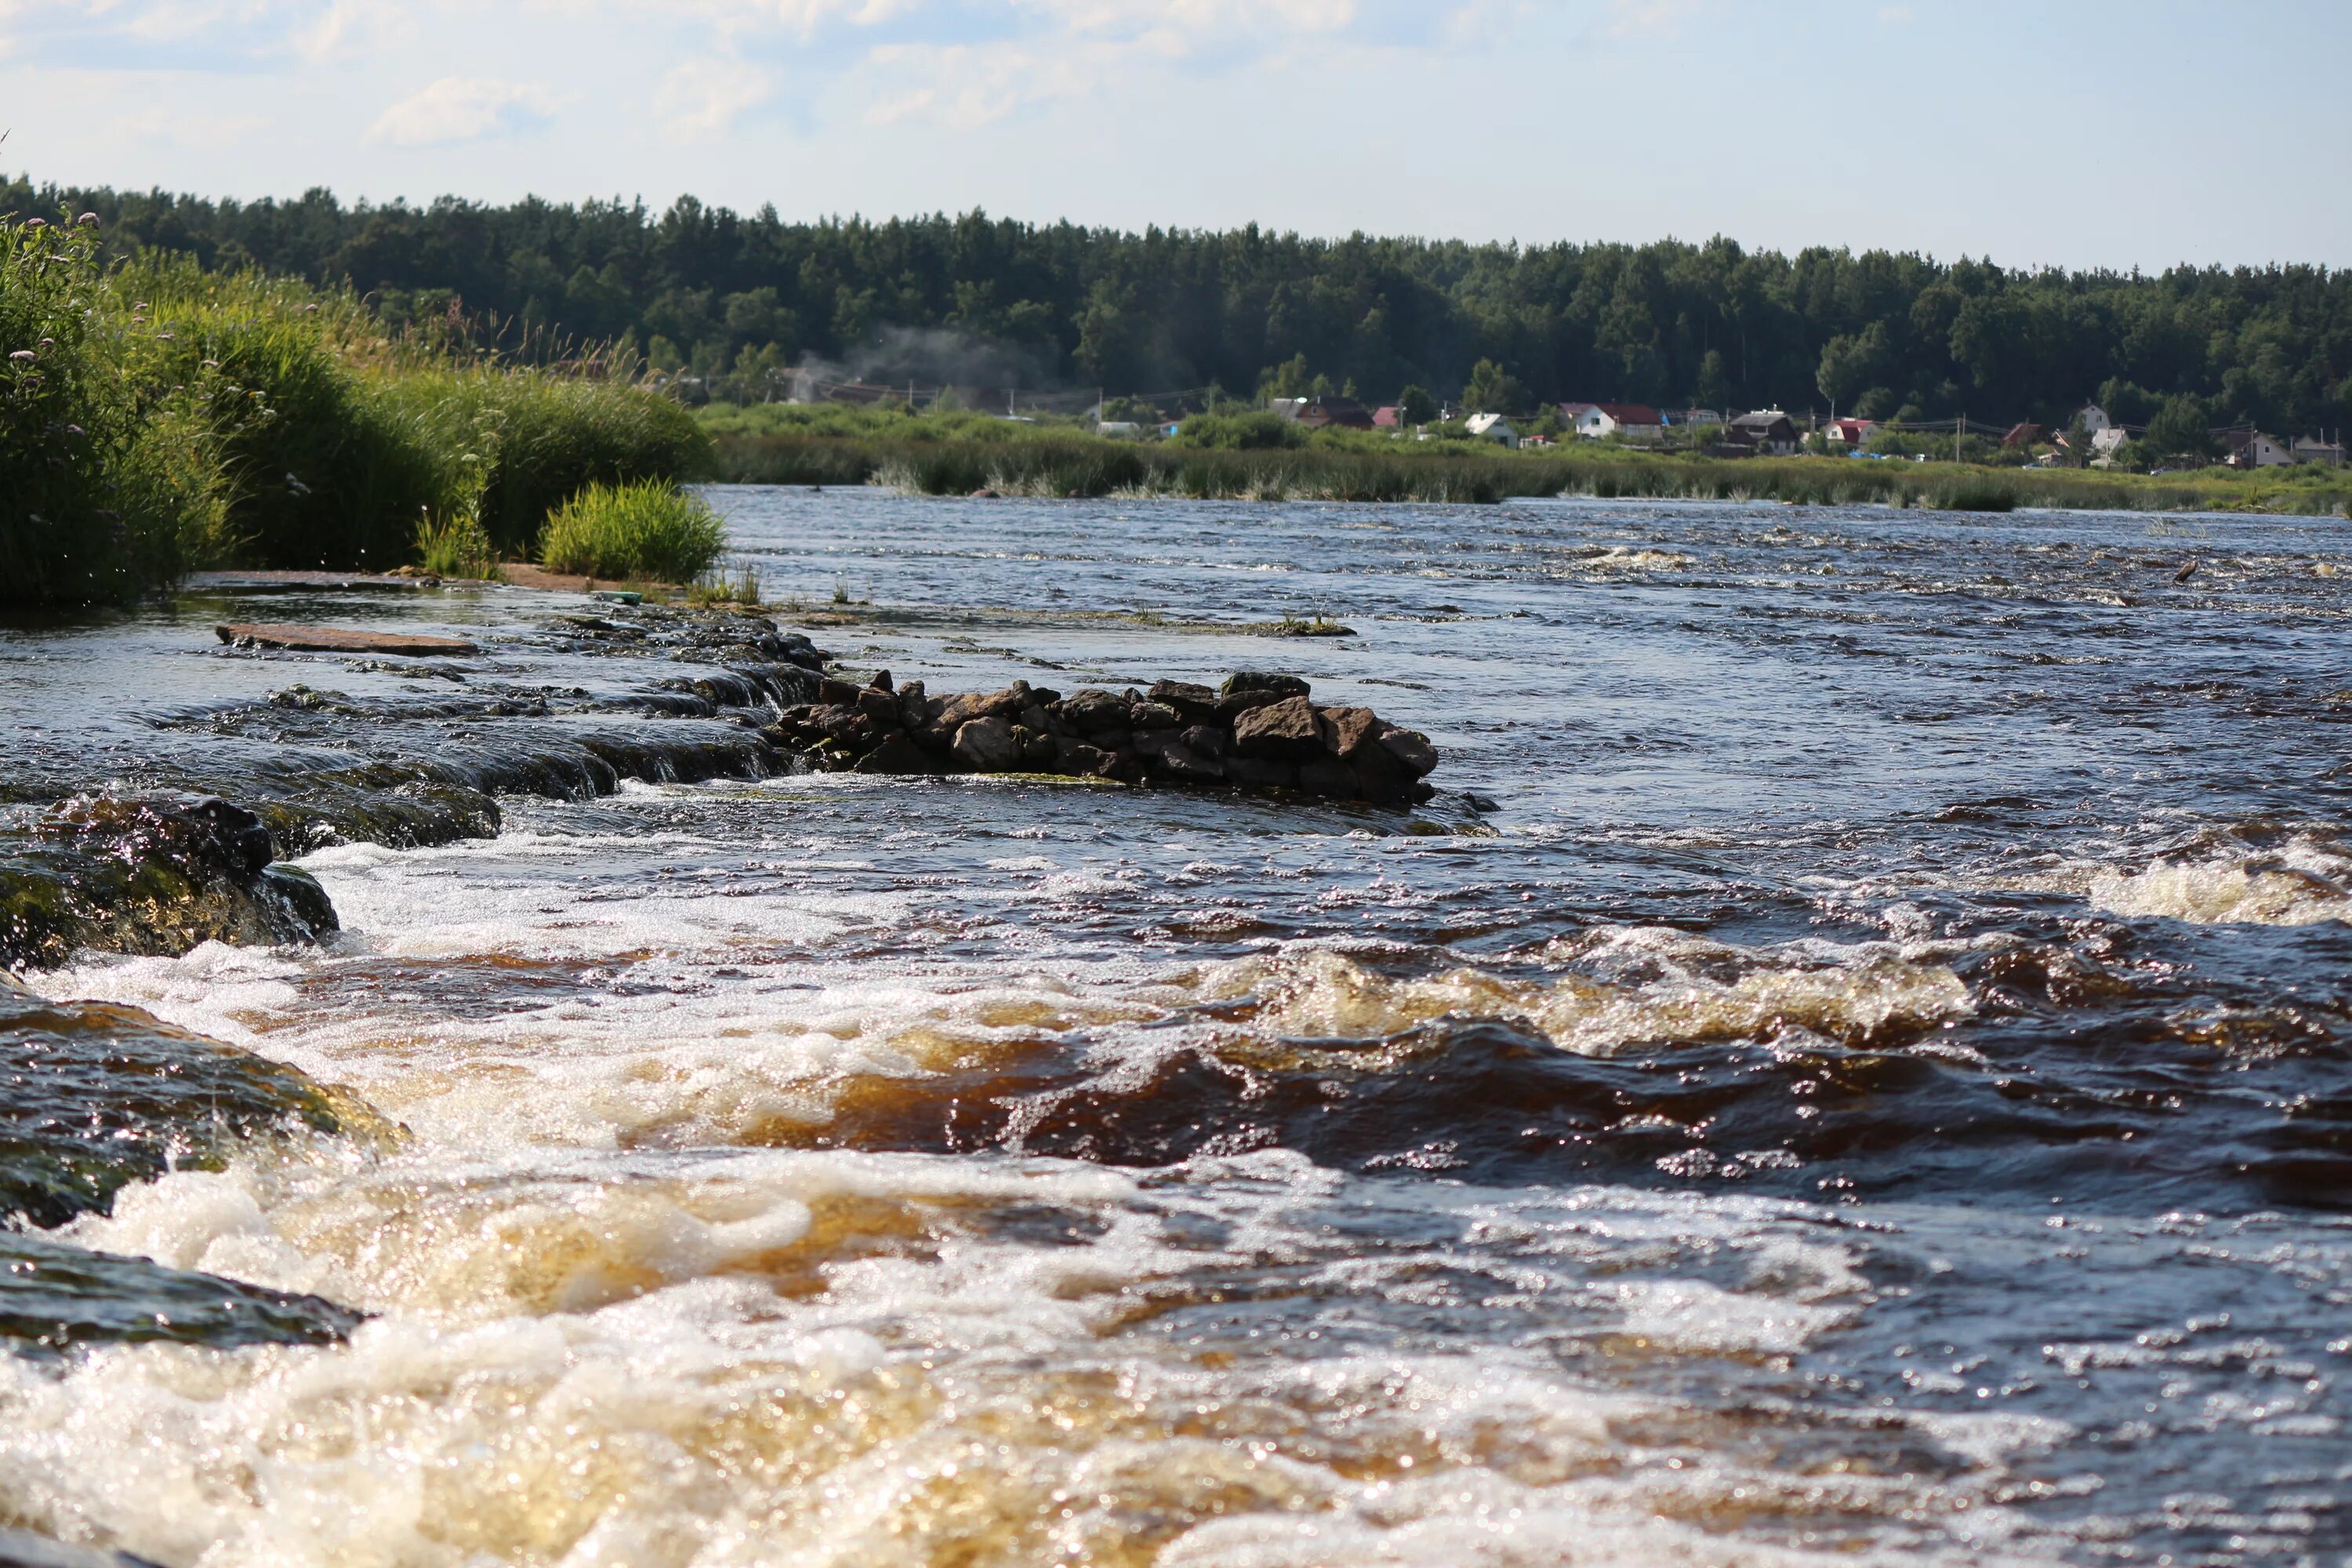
156 419
960 453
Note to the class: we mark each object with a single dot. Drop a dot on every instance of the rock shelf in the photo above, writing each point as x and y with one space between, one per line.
1255 732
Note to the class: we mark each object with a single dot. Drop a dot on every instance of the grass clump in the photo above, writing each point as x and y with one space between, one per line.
644 528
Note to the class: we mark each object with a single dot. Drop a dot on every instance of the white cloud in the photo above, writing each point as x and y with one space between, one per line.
348 29
462 108
702 98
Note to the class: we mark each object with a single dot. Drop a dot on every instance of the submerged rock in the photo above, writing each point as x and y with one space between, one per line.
21 1548
153 874
94 1097
55 1298
1256 731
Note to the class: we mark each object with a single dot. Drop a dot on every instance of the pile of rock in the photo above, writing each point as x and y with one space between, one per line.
1254 732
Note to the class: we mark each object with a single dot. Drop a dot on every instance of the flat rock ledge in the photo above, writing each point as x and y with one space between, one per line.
341 639
1256 731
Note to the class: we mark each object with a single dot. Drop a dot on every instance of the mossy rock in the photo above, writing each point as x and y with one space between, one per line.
55 1298
94 1097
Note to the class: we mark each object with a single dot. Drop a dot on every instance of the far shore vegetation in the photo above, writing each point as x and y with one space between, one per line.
1240 454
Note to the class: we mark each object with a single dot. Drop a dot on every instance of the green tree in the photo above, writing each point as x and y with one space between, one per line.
2179 430
1492 390
1415 406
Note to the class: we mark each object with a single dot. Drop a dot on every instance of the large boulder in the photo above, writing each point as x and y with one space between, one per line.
1285 730
986 745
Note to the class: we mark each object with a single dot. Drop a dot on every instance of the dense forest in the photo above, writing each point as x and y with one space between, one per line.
737 300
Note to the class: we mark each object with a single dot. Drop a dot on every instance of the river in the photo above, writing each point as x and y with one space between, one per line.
1851 1067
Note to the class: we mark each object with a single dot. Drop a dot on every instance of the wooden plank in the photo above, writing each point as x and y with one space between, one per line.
342 639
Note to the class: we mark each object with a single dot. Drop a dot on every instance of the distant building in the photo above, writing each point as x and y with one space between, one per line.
1344 412
2093 418
2312 449
2253 449
2105 444
1387 418
1492 427
1117 427
2021 435
1851 432
1288 408
1635 421
1762 433
1674 416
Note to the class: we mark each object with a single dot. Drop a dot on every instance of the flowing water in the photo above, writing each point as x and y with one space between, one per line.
1853 1067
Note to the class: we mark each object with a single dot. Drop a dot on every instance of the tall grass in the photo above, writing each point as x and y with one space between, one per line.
108 479
160 417
645 530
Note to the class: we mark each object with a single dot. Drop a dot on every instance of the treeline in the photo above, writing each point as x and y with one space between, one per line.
735 299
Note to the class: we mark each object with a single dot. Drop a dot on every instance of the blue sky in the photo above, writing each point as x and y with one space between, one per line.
2117 136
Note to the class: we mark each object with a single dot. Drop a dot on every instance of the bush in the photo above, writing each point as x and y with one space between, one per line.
1254 432
647 529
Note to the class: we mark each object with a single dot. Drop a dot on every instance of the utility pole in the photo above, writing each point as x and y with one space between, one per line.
1961 440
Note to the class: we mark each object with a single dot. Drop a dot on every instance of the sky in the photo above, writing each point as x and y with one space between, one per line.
2116 136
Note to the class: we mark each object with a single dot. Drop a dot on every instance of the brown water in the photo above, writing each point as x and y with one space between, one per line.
1866 1082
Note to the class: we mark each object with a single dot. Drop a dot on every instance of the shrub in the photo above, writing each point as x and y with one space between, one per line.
646 529
1253 432
456 547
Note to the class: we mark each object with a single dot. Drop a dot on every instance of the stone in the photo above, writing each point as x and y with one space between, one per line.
986 745
881 681
897 753
1077 757
1092 710
1286 728
1182 763
1412 749
1195 702
832 693
1255 682
1327 775
1205 739
1347 729
1005 704
878 703
342 639
1381 777
1260 772
1151 715
1037 748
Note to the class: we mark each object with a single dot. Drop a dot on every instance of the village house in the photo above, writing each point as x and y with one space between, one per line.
1634 421
1344 412
2253 449
1492 427
2021 435
2312 450
1761 433
2093 418
1850 432
2105 444
1386 417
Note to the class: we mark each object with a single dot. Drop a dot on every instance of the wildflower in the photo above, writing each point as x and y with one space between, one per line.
74 430
25 354
37 223
88 219
45 344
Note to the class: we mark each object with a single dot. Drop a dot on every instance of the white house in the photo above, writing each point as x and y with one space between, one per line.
2094 417
1635 421
2253 449
1492 427
2106 443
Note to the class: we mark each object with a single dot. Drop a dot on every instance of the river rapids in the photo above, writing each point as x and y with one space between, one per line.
1854 1064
